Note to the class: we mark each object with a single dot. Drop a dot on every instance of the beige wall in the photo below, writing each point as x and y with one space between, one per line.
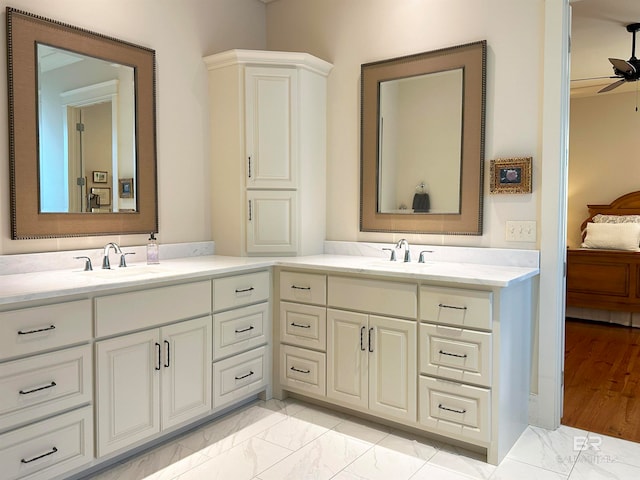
181 32
348 33
604 154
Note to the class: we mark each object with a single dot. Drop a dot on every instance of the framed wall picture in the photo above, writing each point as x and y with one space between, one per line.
100 177
103 194
511 175
126 188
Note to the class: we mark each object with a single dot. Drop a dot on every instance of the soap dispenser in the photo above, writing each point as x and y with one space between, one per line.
153 250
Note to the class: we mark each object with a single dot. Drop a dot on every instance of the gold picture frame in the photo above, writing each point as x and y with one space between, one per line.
103 194
511 175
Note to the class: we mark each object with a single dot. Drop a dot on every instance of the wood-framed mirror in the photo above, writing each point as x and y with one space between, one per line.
68 89
422 142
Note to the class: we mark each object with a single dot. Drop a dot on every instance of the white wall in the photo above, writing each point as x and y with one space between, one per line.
604 154
181 32
349 33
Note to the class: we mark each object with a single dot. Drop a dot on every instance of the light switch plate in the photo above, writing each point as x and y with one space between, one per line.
521 231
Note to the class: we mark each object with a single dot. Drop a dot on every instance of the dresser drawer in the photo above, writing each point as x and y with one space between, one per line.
303 370
126 312
240 376
242 329
31 330
239 290
452 306
303 287
374 296
44 384
49 448
455 353
303 325
455 409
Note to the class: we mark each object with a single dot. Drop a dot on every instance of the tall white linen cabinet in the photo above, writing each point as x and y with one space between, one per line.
268 147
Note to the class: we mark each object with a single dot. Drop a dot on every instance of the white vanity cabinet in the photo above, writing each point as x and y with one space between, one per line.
371 359
46 385
156 378
241 337
268 115
452 359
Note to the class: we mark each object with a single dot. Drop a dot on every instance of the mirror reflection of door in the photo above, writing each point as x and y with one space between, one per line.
90 150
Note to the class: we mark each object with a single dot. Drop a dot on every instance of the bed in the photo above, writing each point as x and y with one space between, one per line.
606 276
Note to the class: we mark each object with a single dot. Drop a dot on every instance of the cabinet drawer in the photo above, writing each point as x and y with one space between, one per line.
455 409
455 353
452 306
303 287
36 329
242 329
47 449
303 370
303 325
374 296
148 308
240 290
240 376
45 384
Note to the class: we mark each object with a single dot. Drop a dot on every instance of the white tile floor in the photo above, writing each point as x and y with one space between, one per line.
293 440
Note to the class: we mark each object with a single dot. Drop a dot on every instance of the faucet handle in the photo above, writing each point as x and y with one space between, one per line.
421 259
392 258
87 264
123 261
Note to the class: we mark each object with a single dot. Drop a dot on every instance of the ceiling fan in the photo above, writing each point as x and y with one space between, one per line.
625 70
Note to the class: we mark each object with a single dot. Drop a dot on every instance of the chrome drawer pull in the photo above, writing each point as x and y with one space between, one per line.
370 337
300 371
454 410
244 376
299 325
442 352
362 330
159 351
295 287
44 329
168 362
443 305
242 330
33 390
244 290
50 452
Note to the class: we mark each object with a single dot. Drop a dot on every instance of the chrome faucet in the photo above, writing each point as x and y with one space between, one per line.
105 258
407 253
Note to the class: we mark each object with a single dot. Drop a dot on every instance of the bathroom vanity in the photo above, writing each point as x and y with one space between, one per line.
97 365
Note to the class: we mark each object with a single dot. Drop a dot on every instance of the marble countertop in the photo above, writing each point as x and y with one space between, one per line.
23 287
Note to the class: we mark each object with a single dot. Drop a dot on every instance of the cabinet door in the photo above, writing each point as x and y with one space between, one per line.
347 357
271 122
392 367
128 390
272 223
186 370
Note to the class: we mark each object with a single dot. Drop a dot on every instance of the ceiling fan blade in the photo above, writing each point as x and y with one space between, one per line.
612 86
622 66
591 78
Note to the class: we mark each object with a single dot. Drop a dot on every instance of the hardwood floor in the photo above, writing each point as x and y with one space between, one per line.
602 379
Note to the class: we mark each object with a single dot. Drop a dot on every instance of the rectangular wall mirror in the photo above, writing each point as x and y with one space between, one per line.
82 117
422 142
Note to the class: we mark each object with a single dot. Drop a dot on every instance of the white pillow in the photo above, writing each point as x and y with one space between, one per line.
613 236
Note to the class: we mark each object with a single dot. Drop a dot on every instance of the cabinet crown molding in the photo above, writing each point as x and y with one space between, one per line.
265 57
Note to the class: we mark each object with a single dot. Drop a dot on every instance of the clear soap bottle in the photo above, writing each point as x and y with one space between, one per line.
153 250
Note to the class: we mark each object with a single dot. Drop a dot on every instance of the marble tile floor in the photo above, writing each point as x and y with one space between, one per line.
292 440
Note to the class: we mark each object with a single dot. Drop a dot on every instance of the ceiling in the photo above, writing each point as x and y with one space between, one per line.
597 33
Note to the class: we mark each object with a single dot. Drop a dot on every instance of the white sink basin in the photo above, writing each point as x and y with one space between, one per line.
400 266
116 273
